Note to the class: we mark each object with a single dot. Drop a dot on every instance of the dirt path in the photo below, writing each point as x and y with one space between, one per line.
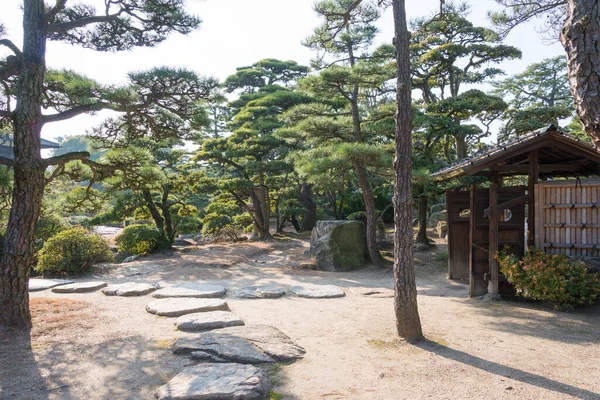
97 347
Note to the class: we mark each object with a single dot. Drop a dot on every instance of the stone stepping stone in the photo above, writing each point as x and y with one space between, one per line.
229 381
267 339
176 307
219 347
129 289
80 287
260 292
318 291
207 321
35 285
199 290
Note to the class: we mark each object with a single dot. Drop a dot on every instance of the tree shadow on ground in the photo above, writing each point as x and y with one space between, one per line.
124 368
20 376
505 371
540 321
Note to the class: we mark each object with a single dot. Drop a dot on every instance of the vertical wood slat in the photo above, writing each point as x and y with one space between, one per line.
493 284
539 221
472 224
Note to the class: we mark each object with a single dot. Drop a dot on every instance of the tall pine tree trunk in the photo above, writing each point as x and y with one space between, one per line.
18 254
371 210
581 39
422 218
408 322
310 216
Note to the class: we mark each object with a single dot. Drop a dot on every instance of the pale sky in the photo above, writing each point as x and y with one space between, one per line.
236 33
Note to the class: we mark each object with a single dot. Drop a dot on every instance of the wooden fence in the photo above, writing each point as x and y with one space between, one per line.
568 217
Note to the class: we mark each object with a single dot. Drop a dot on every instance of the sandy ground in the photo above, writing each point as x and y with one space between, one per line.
89 346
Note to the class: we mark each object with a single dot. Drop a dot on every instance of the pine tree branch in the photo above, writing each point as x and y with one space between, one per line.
79 23
12 46
65 158
6 114
58 7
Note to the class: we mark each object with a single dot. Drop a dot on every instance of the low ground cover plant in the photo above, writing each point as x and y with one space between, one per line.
551 277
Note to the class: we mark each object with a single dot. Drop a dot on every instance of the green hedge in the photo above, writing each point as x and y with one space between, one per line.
140 239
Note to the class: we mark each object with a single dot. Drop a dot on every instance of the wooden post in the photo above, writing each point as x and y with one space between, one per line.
534 172
472 228
493 240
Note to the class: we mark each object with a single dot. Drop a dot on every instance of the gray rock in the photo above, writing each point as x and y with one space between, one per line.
182 242
436 217
80 287
437 208
270 340
129 289
442 229
339 245
217 382
318 291
176 307
203 356
260 292
200 290
224 347
207 320
270 292
130 259
36 285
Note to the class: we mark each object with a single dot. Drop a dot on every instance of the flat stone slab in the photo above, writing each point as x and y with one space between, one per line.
268 339
199 290
220 347
318 291
207 321
35 285
176 307
227 381
80 287
260 292
129 289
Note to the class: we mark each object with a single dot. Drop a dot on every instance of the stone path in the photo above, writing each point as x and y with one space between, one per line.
199 290
175 307
318 291
129 289
80 287
217 381
205 321
36 285
225 356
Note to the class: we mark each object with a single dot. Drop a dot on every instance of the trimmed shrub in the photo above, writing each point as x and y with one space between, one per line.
555 278
46 227
140 239
71 252
358 216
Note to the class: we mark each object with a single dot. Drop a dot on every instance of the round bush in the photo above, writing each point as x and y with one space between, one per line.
140 239
553 278
72 251
46 227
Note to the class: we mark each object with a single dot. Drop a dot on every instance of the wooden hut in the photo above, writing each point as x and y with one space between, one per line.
562 211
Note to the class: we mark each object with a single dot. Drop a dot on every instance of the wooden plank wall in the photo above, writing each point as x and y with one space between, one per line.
568 217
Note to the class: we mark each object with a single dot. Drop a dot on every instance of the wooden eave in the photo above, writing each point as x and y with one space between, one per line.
560 155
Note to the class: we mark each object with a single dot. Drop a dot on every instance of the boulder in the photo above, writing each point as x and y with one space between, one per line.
437 216
437 208
228 381
339 245
442 229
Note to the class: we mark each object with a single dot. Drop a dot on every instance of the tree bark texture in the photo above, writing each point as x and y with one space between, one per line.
18 254
371 210
580 37
310 216
408 322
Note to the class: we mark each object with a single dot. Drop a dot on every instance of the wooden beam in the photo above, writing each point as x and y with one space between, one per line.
493 240
472 227
508 204
543 168
534 174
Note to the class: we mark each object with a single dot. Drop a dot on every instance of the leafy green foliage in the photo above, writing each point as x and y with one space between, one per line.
46 227
553 278
223 219
71 252
551 14
140 239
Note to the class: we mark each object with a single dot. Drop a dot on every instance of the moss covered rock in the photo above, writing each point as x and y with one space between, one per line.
339 245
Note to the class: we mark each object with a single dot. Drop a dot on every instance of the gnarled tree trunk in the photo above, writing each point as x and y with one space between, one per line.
371 210
310 216
580 37
408 322
422 231
18 253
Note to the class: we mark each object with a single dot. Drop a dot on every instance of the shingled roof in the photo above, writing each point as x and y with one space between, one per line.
560 155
